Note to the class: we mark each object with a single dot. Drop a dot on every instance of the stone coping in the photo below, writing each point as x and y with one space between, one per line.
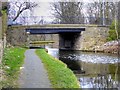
55 26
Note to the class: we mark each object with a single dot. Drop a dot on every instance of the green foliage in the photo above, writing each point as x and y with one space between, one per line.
112 26
59 75
112 32
12 61
112 35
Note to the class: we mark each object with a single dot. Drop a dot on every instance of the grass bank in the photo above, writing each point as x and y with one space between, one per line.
13 59
59 75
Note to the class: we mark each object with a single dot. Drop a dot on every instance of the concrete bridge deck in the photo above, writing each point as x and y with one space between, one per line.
54 30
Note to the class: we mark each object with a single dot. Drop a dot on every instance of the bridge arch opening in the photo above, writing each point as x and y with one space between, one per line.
69 38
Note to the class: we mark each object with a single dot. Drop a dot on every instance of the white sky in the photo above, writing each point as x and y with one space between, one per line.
43 9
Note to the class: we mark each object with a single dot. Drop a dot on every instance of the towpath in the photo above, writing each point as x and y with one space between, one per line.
33 73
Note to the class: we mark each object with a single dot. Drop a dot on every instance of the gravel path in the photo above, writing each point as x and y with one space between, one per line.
33 74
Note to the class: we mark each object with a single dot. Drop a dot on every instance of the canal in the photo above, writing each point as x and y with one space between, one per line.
93 70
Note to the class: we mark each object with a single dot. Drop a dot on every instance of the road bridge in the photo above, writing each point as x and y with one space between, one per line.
66 36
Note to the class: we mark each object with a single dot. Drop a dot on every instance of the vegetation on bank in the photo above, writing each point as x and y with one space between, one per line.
59 75
113 33
12 61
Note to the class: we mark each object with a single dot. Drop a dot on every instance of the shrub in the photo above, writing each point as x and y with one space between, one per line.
112 32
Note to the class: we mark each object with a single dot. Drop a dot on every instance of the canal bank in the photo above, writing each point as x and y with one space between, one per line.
13 58
59 74
108 47
112 47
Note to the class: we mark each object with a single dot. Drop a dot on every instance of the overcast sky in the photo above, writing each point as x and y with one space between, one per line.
43 9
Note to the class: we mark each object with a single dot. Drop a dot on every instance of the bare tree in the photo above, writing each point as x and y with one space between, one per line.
97 12
93 12
101 12
109 12
116 21
68 12
21 7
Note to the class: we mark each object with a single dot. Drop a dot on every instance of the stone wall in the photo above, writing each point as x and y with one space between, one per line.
20 38
93 37
112 47
0 20
3 26
16 37
55 37
1 43
0 31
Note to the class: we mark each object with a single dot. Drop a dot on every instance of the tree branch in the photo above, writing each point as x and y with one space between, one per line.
24 6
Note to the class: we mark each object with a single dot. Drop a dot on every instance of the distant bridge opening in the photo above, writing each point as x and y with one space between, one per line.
39 43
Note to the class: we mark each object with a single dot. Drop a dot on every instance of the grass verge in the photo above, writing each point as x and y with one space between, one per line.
59 75
13 59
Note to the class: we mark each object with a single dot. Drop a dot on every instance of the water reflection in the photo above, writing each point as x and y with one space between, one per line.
97 81
93 70
89 57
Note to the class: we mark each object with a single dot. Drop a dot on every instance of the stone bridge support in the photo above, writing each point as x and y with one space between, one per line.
69 41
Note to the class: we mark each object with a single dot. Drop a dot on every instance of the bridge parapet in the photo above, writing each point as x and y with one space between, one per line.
23 27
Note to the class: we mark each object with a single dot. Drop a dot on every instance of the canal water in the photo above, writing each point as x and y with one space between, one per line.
93 70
